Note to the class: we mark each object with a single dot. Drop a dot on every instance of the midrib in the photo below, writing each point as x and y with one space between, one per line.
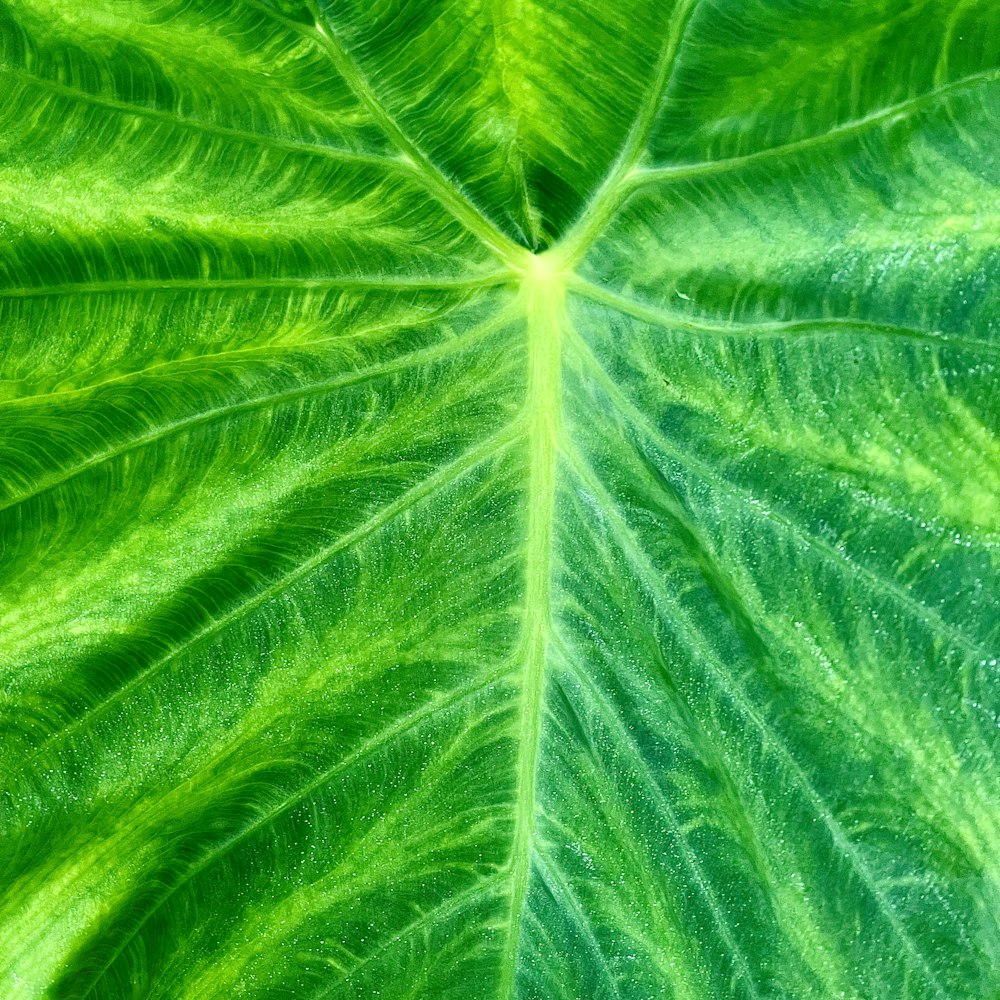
543 293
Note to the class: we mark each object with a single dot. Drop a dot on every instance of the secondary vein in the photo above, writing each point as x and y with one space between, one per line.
604 203
446 191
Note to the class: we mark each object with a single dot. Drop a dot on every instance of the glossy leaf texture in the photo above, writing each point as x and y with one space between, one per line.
499 499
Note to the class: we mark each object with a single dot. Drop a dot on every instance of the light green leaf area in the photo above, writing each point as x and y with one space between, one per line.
499 499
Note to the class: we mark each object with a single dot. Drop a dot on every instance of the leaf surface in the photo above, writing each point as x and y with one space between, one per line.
499 499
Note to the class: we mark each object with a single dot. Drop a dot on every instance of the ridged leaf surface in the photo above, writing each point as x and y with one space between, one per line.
499 499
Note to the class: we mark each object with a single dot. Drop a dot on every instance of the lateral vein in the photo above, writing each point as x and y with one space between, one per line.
490 448
738 495
815 326
730 685
260 139
445 190
598 212
417 283
853 127
230 410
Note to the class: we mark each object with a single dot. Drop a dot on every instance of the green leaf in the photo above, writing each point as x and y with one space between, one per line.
499 499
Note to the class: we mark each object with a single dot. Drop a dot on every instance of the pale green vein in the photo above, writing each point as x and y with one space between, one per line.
598 212
490 448
407 723
544 302
880 584
895 112
729 686
388 282
775 330
447 908
445 189
301 392
503 13
941 67
627 741
262 140
279 18
564 894
296 348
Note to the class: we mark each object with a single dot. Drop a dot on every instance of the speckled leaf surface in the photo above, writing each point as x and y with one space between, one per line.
499 499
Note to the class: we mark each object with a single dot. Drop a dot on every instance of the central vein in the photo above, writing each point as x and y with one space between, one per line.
544 297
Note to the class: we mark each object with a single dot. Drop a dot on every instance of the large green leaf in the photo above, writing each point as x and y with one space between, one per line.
499 499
